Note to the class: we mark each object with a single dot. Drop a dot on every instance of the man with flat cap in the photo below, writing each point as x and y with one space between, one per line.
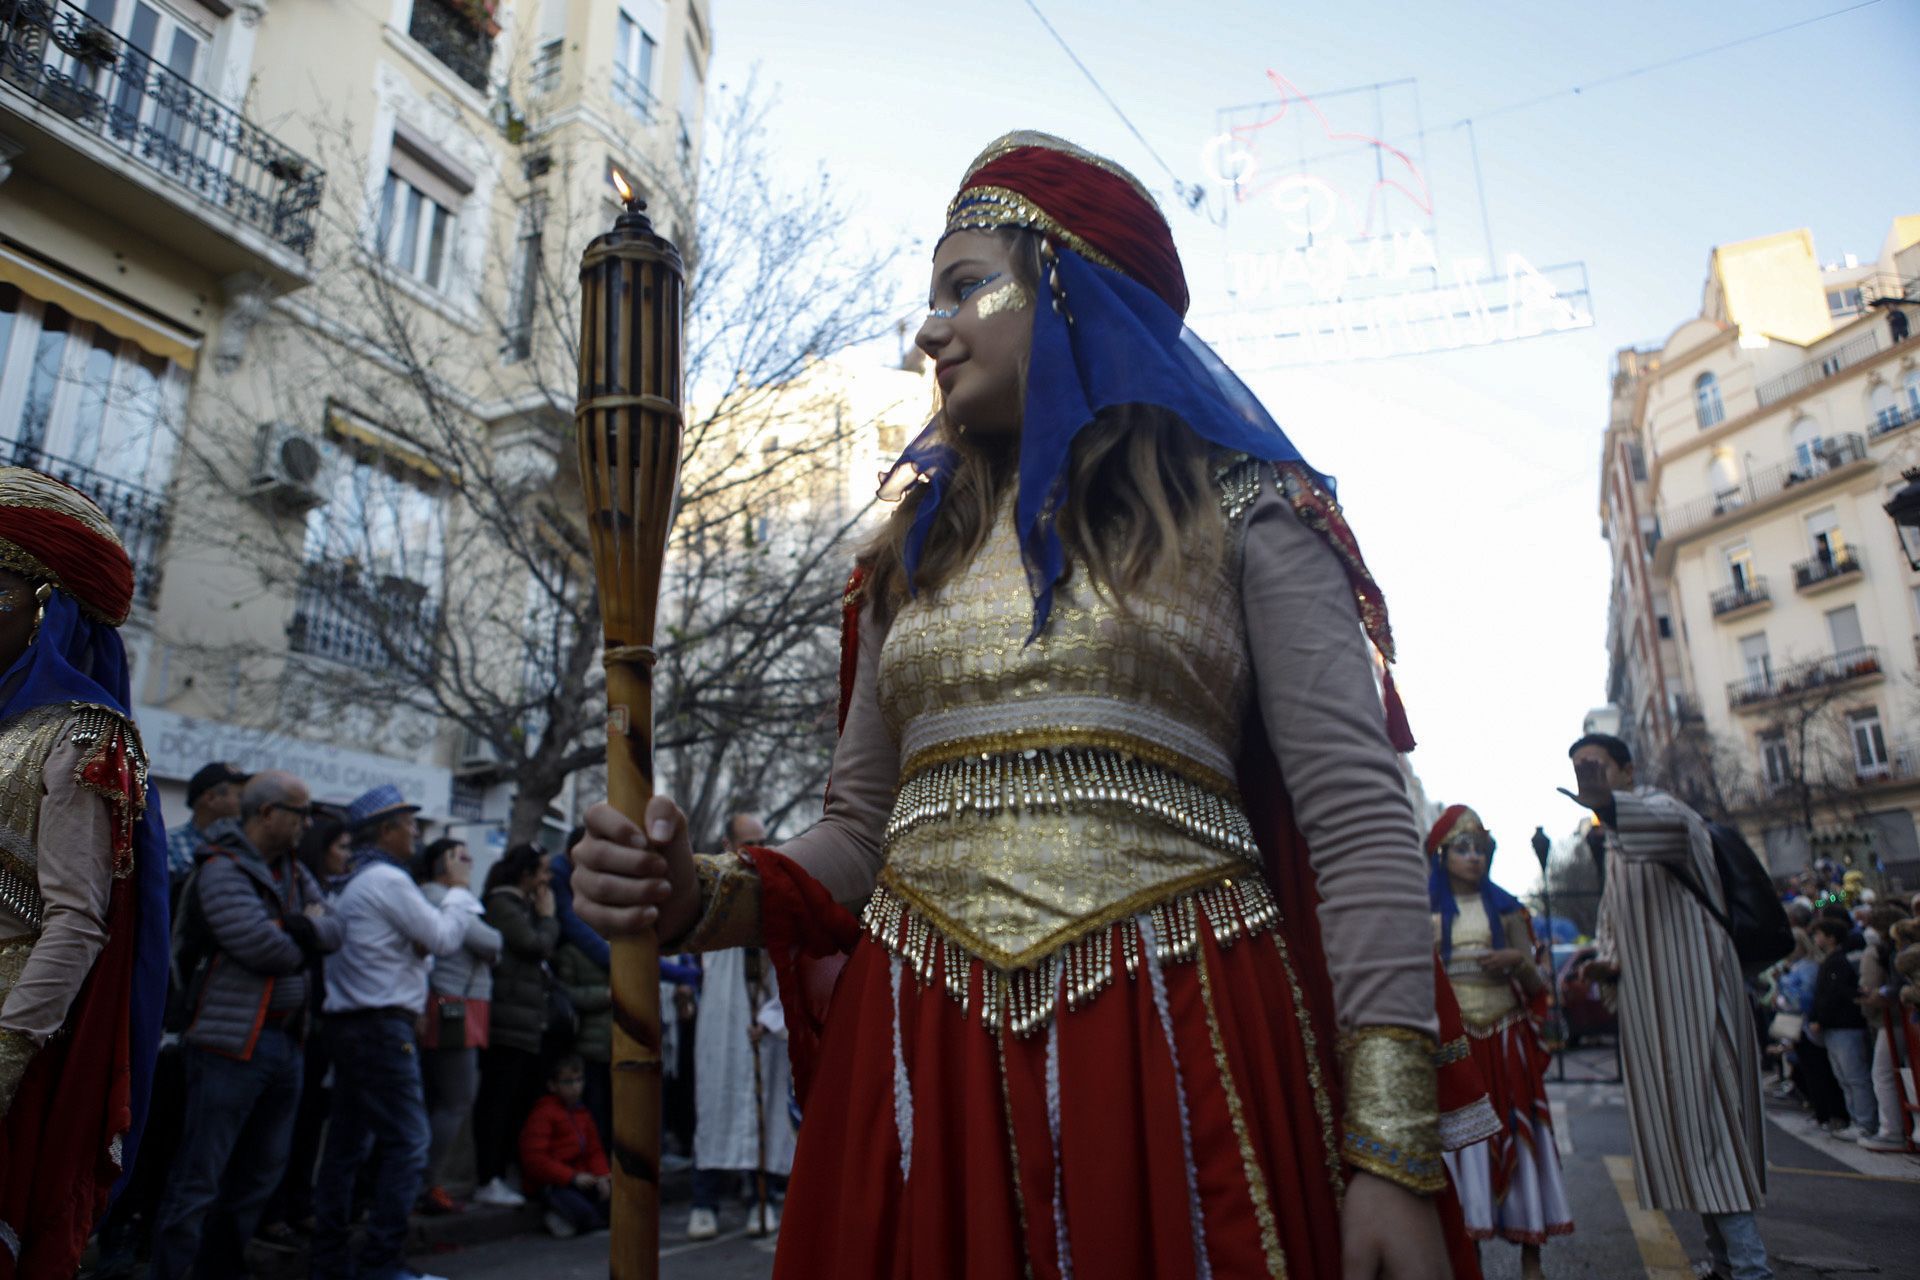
376 987
213 795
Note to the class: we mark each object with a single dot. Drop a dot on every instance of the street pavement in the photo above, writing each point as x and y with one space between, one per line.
1833 1210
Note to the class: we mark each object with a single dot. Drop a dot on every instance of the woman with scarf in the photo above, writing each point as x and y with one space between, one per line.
1510 1184
83 879
1142 984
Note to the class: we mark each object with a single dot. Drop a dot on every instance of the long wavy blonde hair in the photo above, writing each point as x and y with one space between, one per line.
1140 499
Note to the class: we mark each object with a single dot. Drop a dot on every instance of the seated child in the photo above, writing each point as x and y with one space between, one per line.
560 1154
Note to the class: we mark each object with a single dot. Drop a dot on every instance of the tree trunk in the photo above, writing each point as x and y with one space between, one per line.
530 803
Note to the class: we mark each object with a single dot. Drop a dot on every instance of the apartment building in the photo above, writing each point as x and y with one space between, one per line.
1765 612
227 232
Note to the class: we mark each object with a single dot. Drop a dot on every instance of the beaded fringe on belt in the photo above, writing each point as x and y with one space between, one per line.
1026 999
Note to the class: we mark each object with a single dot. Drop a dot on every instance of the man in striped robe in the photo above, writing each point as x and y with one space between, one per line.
1690 1060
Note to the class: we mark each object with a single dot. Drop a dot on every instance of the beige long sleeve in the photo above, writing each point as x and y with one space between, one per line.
845 849
76 878
1315 686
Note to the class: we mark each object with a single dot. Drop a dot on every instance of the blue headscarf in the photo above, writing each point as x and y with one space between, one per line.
1494 900
75 659
1123 346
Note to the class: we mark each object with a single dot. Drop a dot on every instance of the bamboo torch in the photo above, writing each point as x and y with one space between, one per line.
628 421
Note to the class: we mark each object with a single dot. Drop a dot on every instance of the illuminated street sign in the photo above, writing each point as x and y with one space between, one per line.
1333 241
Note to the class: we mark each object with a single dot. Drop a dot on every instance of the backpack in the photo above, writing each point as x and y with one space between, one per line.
1755 918
191 953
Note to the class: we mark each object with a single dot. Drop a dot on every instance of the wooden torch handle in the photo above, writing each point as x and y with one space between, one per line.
635 1252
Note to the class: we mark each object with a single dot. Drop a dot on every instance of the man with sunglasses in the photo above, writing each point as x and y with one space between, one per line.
252 919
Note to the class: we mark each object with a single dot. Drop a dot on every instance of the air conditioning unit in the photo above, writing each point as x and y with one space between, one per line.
286 469
477 755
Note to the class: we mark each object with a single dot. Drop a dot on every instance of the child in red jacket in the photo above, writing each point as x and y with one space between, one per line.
561 1156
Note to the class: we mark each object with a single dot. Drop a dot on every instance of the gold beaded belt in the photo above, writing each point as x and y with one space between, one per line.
1071 779
1026 999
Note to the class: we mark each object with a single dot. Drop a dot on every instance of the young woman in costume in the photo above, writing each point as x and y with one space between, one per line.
83 879
1142 985
1509 1185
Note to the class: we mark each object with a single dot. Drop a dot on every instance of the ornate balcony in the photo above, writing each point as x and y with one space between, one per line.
1850 667
1836 454
632 93
1737 601
1817 573
87 92
457 33
138 514
373 622
1816 370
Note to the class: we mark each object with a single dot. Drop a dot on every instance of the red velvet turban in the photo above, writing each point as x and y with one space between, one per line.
51 532
1455 820
1086 202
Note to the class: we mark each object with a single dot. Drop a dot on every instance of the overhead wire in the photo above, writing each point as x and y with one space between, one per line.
1193 195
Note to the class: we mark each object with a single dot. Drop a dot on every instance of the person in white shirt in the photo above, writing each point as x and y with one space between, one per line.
740 1104
376 987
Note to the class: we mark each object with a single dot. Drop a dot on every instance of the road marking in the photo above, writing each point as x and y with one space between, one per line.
1562 1131
1838 1173
1660 1249
694 1246
1891 1166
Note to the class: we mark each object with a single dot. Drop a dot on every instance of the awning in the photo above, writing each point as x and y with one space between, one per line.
350 426
155 337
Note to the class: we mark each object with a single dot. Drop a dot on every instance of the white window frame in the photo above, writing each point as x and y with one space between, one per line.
1739 562
524 286
1776 763
1825 524
1708 409
636 58
386 519
1867 736
1764 670
1834 641
142 413
1884 408
411 249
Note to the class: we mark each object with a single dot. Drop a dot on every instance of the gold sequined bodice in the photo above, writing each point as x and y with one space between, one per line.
1486 1001
1049 789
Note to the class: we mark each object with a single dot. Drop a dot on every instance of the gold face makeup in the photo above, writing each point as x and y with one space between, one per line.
1011 296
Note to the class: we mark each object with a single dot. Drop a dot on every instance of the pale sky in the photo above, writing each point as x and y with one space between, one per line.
1470 477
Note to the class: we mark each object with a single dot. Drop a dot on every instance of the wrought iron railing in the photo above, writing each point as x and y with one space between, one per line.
1805 677
363 620
1823 568
1892 419
1737 597
632 93
1889 286
1837 451
1816 369
138 514
450 34
79 68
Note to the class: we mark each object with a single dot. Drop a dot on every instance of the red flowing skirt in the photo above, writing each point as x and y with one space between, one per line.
1173 1130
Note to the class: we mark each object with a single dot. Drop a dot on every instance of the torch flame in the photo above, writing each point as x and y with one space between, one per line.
620 184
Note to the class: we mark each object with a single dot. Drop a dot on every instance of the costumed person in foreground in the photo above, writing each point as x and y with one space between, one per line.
1117 787
1509 1185
83 879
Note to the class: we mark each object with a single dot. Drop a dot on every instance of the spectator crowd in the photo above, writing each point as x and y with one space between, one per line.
357 1032
1836 1012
